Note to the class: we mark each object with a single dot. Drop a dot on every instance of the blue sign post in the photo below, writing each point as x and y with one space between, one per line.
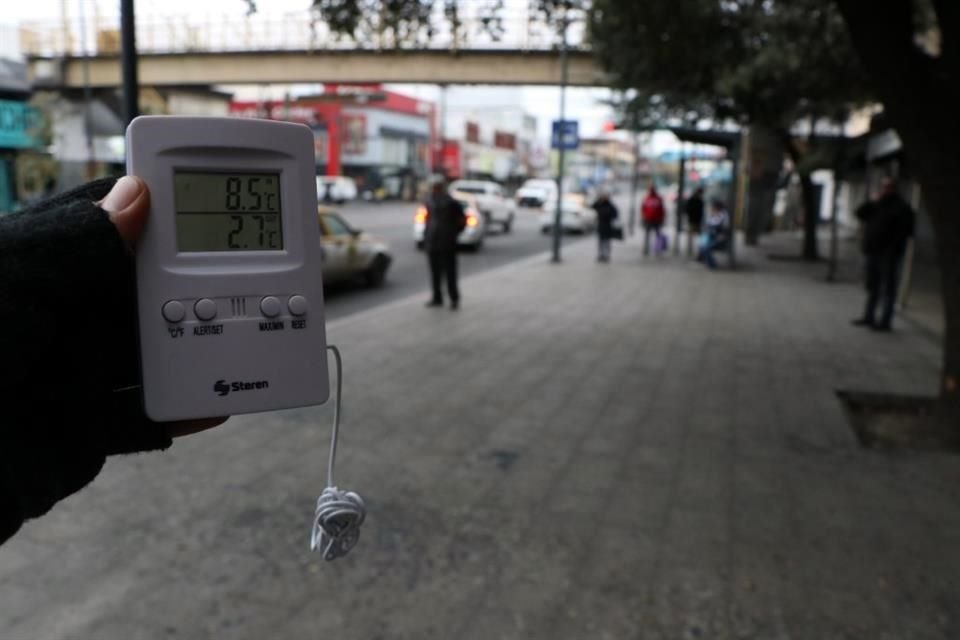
566 135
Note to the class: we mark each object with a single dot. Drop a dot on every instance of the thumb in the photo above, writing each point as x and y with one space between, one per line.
127 204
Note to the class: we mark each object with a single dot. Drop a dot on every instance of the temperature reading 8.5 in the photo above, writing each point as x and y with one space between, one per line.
227 211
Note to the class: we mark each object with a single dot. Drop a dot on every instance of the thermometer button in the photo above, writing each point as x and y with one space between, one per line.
173 311
270 307
205 308
297 305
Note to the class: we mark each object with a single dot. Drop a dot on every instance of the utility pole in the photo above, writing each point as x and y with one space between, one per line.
558 214
634 183
128 61
87 95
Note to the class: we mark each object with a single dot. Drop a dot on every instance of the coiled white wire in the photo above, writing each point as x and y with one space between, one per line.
339 514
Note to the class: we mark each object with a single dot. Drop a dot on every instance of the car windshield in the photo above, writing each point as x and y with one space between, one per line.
470 189
538 184
336 225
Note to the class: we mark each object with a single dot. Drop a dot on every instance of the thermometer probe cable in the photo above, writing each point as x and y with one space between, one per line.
339 514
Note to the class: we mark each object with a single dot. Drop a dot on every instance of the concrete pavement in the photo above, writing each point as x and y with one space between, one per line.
634 450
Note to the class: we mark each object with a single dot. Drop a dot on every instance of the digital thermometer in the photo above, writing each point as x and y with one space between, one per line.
229 290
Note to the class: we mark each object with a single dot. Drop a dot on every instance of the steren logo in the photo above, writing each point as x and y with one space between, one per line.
222 387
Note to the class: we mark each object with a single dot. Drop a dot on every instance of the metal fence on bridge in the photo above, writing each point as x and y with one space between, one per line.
517 29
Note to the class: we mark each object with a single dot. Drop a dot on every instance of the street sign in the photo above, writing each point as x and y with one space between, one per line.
565 135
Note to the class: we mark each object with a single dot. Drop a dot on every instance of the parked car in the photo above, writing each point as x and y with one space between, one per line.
575 215
494 207
535 192
472 234
339 189
349 253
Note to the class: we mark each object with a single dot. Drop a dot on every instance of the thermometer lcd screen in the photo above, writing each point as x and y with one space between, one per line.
227 211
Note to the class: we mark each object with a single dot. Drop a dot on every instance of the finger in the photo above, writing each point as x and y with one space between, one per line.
127 204
188 427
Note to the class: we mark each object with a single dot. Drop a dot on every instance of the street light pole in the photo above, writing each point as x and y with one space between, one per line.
90 168
128 60
558 214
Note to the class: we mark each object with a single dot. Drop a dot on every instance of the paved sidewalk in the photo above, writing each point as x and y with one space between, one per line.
634 450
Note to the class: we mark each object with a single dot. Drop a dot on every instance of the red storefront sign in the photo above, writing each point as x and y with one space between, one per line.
450 159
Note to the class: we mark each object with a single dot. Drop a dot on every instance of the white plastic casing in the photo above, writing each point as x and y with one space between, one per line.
240 361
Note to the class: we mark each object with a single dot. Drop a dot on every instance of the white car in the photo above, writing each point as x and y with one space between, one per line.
575 216
494 207
534 193
337 189
472 234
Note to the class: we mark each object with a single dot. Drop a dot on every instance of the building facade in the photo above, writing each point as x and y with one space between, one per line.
382 139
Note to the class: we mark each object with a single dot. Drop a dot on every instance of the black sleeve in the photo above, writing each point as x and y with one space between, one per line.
68 339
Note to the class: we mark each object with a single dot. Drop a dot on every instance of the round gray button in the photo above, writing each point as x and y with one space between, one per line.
173 311
298 305
205 308
270 307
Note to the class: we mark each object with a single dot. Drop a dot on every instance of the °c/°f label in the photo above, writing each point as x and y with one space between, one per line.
298 324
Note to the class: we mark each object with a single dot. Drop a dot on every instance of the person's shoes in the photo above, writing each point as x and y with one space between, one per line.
434 303
882 328
862 322
454 305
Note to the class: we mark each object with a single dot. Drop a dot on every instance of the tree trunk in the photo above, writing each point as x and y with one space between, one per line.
811 217
942 198
811 212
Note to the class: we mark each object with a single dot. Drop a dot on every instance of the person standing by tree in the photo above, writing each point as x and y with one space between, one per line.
888 225
445 221
653 214
693 207
606 231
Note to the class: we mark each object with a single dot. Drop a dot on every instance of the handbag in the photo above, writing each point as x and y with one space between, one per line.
661 242
616 231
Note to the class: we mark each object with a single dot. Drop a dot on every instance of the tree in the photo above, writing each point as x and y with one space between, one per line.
765 63
911 52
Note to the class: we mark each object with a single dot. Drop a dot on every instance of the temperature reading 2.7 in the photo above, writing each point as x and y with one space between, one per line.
255 232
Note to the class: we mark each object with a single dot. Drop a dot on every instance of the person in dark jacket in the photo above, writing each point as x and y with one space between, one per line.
68 384
693 207
607 215
888 224
445 221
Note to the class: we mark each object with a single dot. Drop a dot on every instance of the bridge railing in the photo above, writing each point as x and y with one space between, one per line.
522 29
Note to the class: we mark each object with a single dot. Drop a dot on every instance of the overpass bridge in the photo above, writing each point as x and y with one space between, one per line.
297 48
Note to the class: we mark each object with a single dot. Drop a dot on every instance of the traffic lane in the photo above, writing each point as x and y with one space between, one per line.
408 274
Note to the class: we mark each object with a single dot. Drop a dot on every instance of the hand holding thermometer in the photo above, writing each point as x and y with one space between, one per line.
229 290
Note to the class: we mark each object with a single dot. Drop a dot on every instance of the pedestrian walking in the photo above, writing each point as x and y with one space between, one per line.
716 235
693 207
445 221
653 214
607 225
888 224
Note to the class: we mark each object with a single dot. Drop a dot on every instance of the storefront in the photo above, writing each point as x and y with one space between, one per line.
23 165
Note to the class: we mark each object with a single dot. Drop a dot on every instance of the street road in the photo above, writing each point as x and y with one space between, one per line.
393 222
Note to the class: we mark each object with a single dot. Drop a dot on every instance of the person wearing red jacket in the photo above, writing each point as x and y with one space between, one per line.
652 213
